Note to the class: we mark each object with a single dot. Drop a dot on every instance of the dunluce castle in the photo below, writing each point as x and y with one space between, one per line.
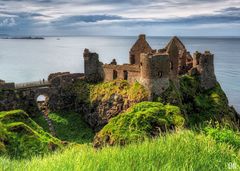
153 68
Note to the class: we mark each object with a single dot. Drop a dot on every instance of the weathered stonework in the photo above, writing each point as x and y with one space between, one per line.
203 62
154 73
123 72
141 46
25 96
92 67
152 68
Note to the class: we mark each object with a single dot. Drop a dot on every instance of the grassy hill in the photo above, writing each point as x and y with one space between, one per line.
186 128
69 126
21 137
183 150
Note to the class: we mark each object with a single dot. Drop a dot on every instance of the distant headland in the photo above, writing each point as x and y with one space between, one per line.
24 37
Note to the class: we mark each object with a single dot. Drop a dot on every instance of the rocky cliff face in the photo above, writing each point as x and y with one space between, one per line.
100 102
198 104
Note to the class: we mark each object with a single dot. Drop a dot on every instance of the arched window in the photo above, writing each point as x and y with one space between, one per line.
115 74
125 75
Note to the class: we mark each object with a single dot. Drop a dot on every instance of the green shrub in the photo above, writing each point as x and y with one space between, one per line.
145 119
223 134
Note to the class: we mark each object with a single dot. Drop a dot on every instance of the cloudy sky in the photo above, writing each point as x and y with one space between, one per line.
120 17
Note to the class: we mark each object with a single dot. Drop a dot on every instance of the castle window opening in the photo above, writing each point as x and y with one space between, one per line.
132 59
205 61
160 74
115 74
125 75
171 65
197 62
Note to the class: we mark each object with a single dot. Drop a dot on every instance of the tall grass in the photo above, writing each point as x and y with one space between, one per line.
183 150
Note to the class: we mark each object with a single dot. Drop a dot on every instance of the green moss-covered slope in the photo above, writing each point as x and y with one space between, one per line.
145 119
103 101
92 93
20 136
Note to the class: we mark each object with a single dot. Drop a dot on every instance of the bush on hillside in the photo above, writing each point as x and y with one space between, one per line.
223 134
145 119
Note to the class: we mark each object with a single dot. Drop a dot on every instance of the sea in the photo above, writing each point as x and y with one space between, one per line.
23 60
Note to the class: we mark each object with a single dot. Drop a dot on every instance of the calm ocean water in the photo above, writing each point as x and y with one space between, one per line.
32 60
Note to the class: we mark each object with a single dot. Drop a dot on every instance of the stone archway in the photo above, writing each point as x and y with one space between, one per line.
42 101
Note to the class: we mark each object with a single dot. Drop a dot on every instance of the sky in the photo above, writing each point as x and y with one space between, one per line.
120 17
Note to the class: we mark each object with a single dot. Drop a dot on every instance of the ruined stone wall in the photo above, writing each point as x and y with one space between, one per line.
9 100
181 59
7 86
155 73
92 67
174 61
65 79
204 63
123 72
53 75
25 98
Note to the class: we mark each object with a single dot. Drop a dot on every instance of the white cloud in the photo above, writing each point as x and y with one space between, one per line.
137 15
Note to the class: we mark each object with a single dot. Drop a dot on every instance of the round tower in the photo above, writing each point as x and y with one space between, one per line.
155 70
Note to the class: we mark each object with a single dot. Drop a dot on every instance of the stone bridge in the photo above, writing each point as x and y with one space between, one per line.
34 84
24 95
34 89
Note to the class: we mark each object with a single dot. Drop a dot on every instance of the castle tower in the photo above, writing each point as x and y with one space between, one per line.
92 67
141 46
154 74
204 63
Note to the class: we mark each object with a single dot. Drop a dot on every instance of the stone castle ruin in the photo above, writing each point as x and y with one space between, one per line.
153 68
